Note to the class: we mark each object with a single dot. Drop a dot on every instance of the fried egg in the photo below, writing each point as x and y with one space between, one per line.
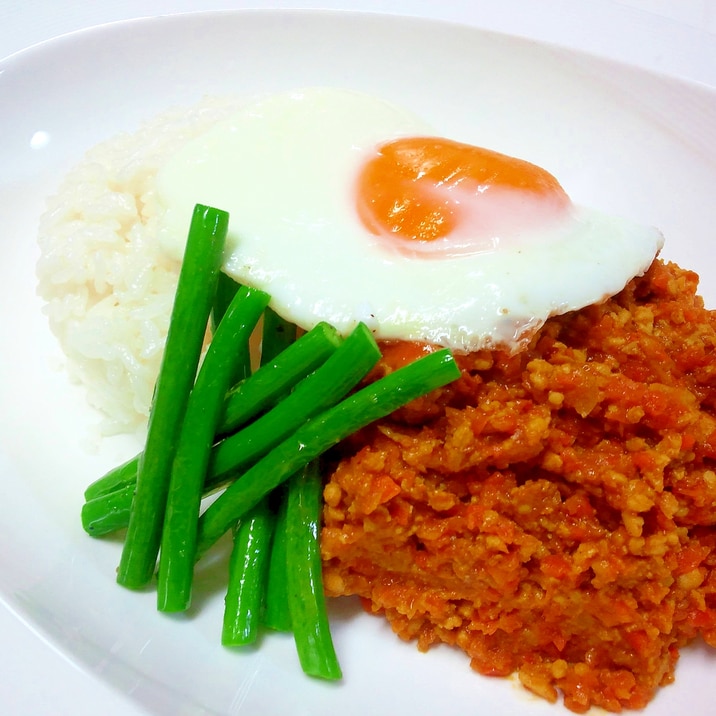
345 208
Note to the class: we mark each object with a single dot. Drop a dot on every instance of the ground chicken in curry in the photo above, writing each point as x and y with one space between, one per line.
552 512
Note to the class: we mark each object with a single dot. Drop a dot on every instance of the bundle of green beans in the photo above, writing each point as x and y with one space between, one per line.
257 438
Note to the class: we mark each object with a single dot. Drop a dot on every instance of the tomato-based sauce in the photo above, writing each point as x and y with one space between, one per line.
552 512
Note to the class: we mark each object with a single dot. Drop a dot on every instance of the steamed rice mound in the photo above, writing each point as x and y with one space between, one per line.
107 282
552 513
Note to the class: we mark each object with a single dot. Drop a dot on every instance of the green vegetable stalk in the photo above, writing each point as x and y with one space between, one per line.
225 357
184 344
304 575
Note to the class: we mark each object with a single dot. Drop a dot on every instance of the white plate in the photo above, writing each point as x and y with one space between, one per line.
618 138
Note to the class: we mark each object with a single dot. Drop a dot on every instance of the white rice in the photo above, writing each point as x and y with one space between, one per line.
107 284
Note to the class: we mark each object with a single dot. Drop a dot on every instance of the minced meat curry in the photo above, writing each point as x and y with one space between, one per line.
552 512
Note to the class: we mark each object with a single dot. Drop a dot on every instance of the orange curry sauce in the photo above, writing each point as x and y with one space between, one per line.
552 512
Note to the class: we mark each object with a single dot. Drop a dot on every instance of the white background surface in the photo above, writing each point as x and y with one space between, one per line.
672 36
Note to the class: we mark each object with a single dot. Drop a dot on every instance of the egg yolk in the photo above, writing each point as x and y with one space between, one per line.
421 189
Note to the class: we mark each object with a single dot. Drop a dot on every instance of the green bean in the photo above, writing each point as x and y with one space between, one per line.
109 512
248 567
276 614
116 479
250 555
184 344
329 383
321 433
306 598
226 289
218 371
276 377
248 398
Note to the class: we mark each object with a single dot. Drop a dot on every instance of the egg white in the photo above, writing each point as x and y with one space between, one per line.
285 167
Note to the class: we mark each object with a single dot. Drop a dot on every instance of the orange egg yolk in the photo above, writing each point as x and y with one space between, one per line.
422 189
